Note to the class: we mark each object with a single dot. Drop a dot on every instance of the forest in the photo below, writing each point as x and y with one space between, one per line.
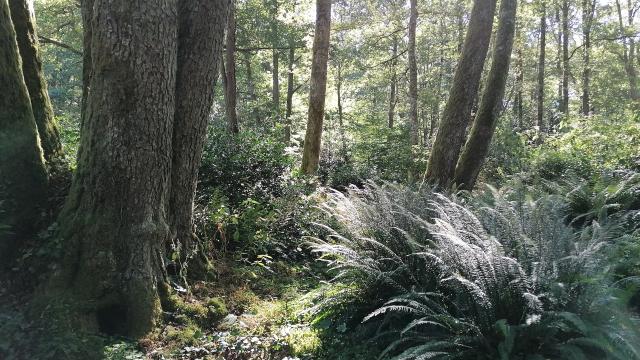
319 179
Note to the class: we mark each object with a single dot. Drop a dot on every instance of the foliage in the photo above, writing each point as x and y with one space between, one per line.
523 283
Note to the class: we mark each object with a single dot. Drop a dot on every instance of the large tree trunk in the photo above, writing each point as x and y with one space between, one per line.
413 74
451 133
144 124
394 83
290 91
230 95
24 23
477 147
23 178
200 38
541 67
313 137
565 57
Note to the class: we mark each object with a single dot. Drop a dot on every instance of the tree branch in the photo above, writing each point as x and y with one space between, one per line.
46 40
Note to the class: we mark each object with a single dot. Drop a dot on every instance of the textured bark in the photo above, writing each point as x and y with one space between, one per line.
200 37
565 57
588 8
290 91
24 23
150 91
313 137
230 86
413 74
114 223
23 179
393 98
541 67
518 103
484 125
451 133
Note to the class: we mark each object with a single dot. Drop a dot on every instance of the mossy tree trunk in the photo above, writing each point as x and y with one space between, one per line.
484 125
313 137
24 23
23 178
149 95
457 112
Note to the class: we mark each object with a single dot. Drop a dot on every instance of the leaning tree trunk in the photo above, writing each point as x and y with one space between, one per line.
453 126
541 67
230 95
313 137
23 178
413 74
200 37
144 125
477 147
24 23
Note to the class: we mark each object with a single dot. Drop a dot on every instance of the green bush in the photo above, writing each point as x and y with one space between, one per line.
505 278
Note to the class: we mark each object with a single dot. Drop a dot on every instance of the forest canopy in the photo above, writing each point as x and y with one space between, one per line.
319 179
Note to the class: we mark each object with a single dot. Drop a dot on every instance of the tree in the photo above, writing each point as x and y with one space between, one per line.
588 10
313 137
230 87
477 146
565 58
23 178
276 59
452 130
413 74
143 128
24 23
290 91
629 49
541 66
394 82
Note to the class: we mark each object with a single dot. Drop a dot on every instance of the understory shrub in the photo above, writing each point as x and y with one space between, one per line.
498 276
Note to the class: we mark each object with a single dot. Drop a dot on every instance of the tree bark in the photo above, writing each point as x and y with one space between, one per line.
313 137
394 83
24 23
588 8
23 178
565 57
290 91
541 67
200 38
343 139
484 125
413 74
230 73
518 104
451 133
150 91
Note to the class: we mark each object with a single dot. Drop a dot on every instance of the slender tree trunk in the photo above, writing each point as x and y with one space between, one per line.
276 61
313 137
451 133
394 83
565 57
484 125
230 73
290 88
541 67
25 27
201 33
340 112
628 54
518 106
413 74
149 96
23 178
587 19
